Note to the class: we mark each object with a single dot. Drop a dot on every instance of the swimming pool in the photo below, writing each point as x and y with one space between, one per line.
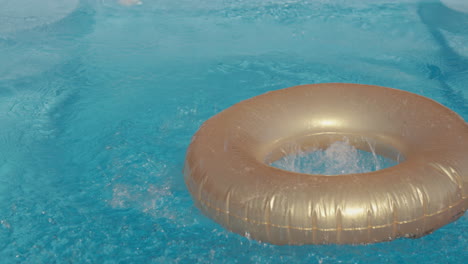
98 103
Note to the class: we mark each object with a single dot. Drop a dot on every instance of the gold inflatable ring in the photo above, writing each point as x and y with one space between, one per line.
227 167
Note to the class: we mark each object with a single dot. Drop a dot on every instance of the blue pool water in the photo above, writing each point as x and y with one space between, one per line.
99 101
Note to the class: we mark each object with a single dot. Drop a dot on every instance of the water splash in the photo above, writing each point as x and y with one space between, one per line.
149 199
339 158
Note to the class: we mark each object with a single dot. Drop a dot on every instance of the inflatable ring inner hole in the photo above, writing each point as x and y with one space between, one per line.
309 143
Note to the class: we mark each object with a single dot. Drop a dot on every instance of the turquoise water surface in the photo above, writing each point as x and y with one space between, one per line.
99 101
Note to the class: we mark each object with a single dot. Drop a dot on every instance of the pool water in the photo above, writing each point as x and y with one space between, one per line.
98 103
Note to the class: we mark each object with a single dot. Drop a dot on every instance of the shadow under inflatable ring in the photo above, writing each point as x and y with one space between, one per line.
228 175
